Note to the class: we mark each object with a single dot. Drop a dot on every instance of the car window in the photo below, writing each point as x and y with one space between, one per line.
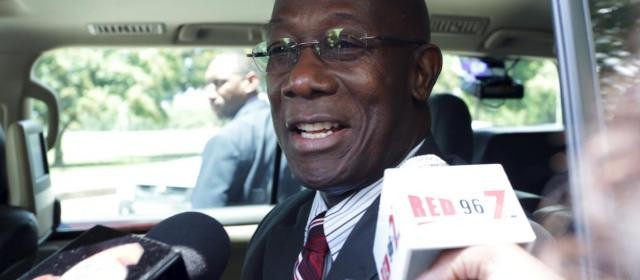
617 47
539 77
611 152
137 126
140 135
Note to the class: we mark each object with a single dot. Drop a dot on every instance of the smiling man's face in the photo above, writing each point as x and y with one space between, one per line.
341 123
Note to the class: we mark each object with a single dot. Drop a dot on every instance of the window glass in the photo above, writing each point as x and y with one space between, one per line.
135 123
617 41
39 113
613 156
540 104
145 131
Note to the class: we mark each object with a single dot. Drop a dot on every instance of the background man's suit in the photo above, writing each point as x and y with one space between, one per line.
237 163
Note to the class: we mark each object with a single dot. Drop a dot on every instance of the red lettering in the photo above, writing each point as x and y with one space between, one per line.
432 207
499 195
447 207
416 206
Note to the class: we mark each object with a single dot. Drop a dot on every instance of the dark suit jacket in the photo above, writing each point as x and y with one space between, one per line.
237 163
275 246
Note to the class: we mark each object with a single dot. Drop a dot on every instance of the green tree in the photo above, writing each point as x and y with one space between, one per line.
97 86
617 42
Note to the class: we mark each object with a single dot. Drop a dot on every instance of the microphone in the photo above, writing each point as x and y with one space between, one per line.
427 206
185 246
200 239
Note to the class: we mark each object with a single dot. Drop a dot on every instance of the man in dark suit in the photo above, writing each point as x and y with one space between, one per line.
238 162
348 83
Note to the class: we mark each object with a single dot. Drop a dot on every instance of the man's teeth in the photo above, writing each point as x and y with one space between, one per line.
316 135
317 127
316 130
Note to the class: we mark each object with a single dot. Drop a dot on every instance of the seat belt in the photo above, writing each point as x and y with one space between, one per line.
276 175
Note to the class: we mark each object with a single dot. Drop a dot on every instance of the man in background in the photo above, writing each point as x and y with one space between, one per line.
238 162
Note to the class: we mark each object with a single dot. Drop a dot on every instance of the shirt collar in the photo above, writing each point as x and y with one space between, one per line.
341 218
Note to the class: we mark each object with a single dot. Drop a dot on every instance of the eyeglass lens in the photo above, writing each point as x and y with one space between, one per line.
337 45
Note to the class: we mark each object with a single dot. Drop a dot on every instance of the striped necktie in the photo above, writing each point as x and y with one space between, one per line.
310 263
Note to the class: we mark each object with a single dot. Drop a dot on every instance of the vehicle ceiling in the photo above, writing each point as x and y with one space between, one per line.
522 27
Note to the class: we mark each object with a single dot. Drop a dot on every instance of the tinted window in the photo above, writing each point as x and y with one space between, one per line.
539 106
611 199
134 126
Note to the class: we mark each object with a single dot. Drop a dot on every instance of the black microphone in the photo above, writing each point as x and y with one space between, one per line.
189 246
200 239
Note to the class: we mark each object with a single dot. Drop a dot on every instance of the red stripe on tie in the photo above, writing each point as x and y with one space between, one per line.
310 264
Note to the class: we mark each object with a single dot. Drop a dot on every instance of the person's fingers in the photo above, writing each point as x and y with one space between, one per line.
128 254
491 262
47 277
456 264
441 267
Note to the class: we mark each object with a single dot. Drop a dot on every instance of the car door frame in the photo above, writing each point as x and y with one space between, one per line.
583 112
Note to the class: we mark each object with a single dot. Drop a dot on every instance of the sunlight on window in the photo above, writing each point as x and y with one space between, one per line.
133 124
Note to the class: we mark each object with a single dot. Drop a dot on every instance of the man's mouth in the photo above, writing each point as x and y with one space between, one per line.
317 130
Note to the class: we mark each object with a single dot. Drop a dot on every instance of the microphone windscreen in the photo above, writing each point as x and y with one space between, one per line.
423 161
202 241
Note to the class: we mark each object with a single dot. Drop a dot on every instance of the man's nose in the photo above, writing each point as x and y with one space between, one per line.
309 77
217 100
212 91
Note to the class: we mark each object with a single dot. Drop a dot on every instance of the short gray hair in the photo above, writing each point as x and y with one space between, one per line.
229 62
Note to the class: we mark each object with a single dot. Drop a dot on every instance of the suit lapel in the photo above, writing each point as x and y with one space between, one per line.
355 260
429 147
286 238
284 243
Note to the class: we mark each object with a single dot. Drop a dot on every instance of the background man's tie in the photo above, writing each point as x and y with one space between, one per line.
310 263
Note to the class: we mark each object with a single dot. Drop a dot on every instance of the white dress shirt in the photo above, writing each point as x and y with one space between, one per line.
340 219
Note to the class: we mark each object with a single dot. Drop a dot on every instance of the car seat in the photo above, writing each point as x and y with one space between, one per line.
451 125
18 227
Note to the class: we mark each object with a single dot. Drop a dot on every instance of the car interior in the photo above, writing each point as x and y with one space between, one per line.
32 218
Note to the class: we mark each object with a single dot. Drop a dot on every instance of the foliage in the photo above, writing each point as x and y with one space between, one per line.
616 29
95 87
147 89
123 88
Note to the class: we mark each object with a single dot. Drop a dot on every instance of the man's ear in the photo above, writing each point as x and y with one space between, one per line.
429 65
251 82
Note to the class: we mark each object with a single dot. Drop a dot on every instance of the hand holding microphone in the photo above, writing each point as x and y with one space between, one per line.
186 246
481 262
109 264
427 208
488 262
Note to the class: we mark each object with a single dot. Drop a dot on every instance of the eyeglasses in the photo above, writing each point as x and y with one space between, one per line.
338 45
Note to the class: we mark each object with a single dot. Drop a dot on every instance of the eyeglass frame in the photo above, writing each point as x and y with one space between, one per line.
297 47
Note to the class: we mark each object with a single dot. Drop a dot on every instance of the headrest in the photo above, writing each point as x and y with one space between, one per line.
29 180
451 125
